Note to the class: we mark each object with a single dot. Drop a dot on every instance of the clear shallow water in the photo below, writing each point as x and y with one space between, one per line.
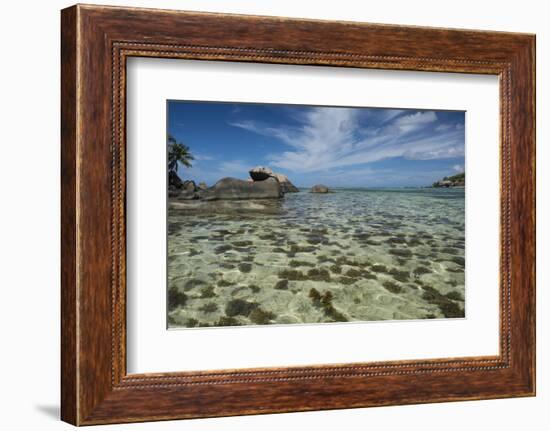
351 255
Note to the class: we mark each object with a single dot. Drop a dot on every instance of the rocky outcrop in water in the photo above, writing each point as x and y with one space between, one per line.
262 173
235 189
265 184
319 188
185 190
285 183
458 180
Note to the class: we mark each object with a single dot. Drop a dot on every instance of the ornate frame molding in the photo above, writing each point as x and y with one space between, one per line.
96 41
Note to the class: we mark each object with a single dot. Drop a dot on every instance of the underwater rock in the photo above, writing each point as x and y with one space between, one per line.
235 189
319 188
282 285
245 267
176 298
260 316
392 287
239 307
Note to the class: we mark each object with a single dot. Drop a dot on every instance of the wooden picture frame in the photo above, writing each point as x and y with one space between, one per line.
95 43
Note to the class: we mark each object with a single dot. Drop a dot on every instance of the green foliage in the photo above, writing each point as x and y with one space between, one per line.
178 153
457 177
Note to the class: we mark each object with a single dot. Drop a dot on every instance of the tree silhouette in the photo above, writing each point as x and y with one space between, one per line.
178 153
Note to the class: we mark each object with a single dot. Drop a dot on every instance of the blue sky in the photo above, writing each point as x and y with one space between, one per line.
336 146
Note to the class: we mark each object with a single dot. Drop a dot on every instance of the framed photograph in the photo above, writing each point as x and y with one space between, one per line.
264 214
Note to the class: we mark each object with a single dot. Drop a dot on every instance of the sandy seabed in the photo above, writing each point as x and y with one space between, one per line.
351 255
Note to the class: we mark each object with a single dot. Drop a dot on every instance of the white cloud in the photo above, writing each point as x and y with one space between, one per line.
234 168
443 127
251 126
389 114
458 168
448 126
198 157
409 123
328 138
211 174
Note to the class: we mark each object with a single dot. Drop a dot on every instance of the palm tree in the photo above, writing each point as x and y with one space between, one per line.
178 153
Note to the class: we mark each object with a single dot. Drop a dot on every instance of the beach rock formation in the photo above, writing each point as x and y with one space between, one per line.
181 189
286 185
235 189
458 180
319 188
174 180
264 184
189 186
262 173
188 191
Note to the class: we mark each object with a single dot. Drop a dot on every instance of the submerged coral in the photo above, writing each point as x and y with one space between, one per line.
344 256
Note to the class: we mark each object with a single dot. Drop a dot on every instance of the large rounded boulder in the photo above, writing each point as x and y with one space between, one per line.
286 185
184 190
235 189
260 173
319 188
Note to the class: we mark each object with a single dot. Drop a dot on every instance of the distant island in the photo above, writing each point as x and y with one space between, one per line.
458 180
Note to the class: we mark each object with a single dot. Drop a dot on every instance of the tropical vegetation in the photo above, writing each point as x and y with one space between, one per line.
178 153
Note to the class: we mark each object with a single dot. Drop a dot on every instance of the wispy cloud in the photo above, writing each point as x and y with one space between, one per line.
199 156
458 168
388 114
328 138
366 176
212 172
409 123
249 125
234 167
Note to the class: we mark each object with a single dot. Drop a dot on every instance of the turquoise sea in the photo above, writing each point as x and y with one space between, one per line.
351 255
